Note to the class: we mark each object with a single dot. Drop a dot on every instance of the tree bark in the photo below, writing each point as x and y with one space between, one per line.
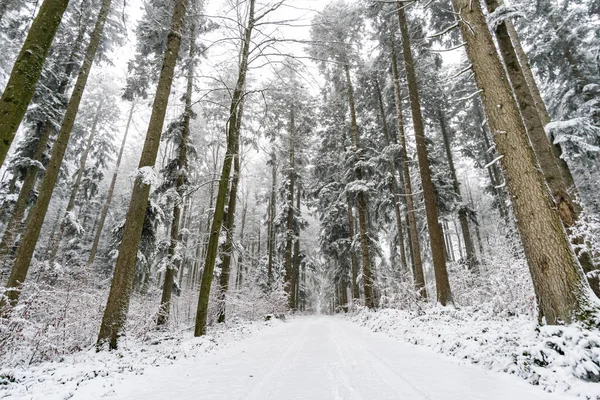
290 233
353 259
38 213
562 292
75 189
413 232
27 70
271 222
215 230
111 190
296 259
361 201
180 185
44 131
463 218
230 217
394 183
556 177
115 313
436 237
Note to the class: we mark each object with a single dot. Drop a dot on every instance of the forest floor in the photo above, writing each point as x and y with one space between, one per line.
311 357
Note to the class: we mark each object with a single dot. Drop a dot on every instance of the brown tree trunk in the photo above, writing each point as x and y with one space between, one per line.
353 259
230 218
361 202
13 225
413 231
44 131
38 213
556 177
463 218
296 259
242 256
111 190
436 237
27 70
117 305
271 222
180 185
493 170
77 183
562 292
290 233
215 230
394 184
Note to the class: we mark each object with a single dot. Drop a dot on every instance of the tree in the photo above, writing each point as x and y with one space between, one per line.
180 176
230 154
329 27
557 173
111 190
38 213
436 237
561 289
27 70
419 278
117 305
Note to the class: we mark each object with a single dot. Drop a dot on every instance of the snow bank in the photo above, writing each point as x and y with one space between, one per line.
557 358
60 379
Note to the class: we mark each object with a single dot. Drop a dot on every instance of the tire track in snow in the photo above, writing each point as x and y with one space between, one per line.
262 389
372 365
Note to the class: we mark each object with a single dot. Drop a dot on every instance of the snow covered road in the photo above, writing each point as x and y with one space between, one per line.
313 358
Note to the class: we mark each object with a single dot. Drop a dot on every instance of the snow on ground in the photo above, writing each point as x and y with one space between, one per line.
66 377
558 359
309 358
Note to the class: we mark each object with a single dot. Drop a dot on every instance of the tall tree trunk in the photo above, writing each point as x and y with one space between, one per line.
562 292
175 262
354 260
361 201
413 231
111 190
44 131
27 70
230 217
533 123
215 230
394 184
77 183
115 313
449 247
38 213
556 178
296 259
493 170
242 256
14 223
463 218
436 237
288 262
271 222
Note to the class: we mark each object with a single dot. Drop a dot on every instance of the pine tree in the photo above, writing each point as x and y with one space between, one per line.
27 71
38 213
561 289
117 305
436 237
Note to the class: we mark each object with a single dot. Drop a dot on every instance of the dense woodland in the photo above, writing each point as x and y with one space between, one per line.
258 157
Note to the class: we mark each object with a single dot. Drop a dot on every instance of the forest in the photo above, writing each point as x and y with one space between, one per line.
179 172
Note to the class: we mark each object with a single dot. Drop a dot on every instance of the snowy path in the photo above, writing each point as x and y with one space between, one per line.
313 358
